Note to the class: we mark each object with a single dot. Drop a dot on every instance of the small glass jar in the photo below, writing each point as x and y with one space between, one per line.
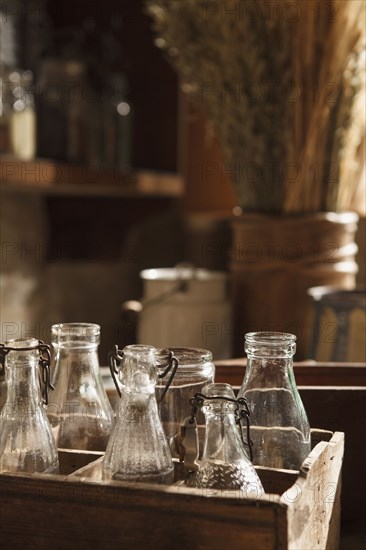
280 429
195 370
79 410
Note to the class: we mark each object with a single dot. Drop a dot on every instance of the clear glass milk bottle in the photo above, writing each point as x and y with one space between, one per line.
79 410
138 449
26 440
279 425
225 464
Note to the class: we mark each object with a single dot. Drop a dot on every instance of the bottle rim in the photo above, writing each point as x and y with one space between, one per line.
218 398
270 338
69 333
270 344
137 350
20 355
217 390
20 343
188 356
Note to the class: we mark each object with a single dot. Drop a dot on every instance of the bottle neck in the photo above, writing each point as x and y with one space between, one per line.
270 359
22 384
268 372
75 362
222 439
138 372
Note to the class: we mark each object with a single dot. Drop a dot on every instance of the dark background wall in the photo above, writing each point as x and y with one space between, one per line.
110 35
113 36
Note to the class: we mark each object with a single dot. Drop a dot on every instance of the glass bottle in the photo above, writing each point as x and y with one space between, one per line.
26 441
138 449
225 464
117 122
195 370
79 411
5 108
23 117
279 425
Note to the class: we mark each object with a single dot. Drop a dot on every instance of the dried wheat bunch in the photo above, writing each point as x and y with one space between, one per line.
281 83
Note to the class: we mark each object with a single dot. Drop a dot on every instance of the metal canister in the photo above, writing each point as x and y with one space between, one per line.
339 325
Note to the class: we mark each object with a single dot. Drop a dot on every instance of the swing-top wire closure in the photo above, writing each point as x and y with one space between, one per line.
115 358
241 413
44 362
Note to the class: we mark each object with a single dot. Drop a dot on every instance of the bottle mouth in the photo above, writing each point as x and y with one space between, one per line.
193 364
20 343
138 371
139 351
188 357
270 338
218 398
218 390
191 356
25 350
72 333
270 344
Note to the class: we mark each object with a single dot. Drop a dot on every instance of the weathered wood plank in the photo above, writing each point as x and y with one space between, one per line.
344 410
313 497
71 459
85 515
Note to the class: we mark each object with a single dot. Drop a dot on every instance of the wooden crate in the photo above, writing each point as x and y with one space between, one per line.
300 510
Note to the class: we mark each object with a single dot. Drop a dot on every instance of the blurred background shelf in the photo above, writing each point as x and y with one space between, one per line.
56 178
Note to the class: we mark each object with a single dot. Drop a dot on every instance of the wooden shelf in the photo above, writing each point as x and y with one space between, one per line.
52 177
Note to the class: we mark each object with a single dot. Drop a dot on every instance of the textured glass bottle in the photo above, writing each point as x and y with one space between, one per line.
138 449
279 426
26 441
195 370
225 464
79 411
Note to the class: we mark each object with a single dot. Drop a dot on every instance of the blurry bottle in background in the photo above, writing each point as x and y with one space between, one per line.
25 36
109 117
5 111
61 109
116 129
9 56
23 116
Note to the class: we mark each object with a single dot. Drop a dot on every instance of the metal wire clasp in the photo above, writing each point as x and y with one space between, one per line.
44 363
241 412
171 366
115 358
